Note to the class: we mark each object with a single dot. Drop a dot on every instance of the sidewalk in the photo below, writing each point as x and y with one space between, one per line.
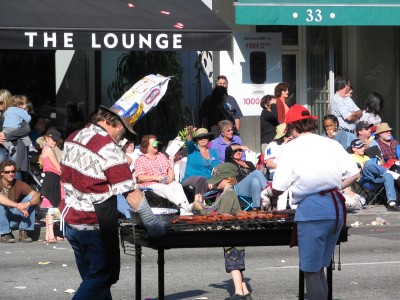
366 216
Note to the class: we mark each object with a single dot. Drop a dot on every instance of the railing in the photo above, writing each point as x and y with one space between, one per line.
320 105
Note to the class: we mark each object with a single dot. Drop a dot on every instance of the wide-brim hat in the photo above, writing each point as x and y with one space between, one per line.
280 131
382 127
297 113
125 120
202 133
223 171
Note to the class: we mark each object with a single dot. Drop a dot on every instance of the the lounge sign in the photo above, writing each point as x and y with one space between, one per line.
102 41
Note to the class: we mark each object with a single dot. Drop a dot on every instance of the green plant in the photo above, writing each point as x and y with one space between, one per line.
169 116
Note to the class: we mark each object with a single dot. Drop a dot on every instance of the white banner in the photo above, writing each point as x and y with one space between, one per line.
257 69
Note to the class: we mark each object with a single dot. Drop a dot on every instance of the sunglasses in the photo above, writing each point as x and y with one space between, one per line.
8 172
238 151
229 130
1 102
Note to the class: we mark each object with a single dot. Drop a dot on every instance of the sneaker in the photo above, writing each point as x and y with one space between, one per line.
32 149
7 238
237 297
392 206
23 237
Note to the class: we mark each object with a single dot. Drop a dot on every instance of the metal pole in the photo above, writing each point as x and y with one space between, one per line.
138 271
161 263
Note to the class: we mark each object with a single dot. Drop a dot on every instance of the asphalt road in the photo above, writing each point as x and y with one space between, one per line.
370 266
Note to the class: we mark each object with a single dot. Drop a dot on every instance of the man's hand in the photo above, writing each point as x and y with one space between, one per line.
134 198
23 206
25 213
2 138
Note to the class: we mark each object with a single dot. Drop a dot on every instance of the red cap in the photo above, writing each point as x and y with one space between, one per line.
297 113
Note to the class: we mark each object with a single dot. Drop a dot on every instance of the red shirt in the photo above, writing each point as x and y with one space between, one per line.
93 169
389 151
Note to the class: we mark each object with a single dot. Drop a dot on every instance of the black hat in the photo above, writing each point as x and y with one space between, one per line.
357 144
361 125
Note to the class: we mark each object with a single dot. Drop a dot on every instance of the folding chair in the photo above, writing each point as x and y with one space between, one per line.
246 202
374 193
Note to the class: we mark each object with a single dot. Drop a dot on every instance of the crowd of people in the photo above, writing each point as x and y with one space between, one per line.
98 175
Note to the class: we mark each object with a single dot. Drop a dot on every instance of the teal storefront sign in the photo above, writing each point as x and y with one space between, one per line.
318 12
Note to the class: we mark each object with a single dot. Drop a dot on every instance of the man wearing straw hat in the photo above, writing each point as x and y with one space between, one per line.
386 141
94 171
312 167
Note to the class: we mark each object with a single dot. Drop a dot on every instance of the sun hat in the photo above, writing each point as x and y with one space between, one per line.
223 171
362 125
202 133
280 131
382 127
54 134
297 113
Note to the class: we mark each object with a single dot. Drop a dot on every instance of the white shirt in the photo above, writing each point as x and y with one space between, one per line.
273 151
310 164
370 118
342 108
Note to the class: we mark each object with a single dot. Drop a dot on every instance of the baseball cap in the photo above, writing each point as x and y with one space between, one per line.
357 143
297 113
54 134
362 125
223 171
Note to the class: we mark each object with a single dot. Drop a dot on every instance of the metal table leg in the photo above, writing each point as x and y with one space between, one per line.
301 285
161 262
329 278
138 270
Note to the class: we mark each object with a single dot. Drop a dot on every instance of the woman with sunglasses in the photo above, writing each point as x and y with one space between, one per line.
225 138
250 181
201 160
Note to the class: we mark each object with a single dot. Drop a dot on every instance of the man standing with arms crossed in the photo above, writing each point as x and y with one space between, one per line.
94 171
343 107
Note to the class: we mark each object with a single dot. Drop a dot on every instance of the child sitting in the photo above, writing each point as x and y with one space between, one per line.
224 177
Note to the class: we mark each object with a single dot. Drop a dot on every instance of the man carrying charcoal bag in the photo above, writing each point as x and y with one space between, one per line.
94 171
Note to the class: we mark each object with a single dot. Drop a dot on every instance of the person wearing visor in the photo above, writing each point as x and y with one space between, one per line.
154 171
315 169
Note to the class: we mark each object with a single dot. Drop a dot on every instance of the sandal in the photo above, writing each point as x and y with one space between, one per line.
50 241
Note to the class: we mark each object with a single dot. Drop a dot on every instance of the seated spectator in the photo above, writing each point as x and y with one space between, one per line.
225 138
332 131
371 146
201 160
154 171
375 173
272 154
274 149
26 198
224 177
386 141
250 181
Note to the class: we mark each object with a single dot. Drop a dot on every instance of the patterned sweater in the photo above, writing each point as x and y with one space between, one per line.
94 168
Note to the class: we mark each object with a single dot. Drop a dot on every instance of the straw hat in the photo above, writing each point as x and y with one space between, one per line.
280 131
382 127
202 133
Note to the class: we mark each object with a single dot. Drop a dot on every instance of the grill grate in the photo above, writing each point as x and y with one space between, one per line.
256 224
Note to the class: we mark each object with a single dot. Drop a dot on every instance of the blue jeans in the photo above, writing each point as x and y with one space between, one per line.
3 153
123 206
12 218
91 261
377 174
251 186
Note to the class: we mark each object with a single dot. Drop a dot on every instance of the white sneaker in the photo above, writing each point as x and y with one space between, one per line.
32 148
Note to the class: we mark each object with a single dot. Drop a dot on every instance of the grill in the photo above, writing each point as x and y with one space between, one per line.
250 232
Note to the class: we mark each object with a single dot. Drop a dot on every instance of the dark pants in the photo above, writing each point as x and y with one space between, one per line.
90 256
